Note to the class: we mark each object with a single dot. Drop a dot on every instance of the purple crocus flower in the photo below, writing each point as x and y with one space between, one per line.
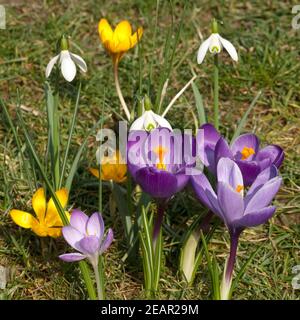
236 209
86 235
244 150
156 163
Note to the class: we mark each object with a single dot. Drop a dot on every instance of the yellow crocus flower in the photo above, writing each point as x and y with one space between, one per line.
120 40
47 221
111 169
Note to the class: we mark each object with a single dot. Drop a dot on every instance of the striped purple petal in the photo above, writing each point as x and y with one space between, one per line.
253 219
79 220
71 257
107 241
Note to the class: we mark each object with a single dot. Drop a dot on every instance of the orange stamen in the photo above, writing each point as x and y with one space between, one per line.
239 188
247 152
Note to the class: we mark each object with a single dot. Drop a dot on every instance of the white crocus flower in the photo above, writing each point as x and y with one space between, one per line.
214 44
67 61
149 121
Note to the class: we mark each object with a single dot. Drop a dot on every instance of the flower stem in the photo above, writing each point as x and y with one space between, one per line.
227 278
99 283
119 92
158 222
216 91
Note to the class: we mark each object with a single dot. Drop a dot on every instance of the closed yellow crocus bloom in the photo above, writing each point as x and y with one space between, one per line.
47 221
120 40
111 169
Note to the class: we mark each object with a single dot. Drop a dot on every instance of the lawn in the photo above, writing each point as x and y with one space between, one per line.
268 49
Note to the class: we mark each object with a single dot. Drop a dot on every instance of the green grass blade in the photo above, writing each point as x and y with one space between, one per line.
242 271
18 143
74 166
244 119
199 104
124 212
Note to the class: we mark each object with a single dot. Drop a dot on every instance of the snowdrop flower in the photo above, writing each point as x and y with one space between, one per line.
67 61
214 44
149 120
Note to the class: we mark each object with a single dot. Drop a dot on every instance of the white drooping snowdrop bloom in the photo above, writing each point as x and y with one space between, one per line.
67 61
214 44
149 120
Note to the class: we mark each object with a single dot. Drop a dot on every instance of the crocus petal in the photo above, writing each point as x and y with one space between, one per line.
54 232
68 68
214 204
202 50
200 184
158 183
250 170
72 236
211 135
182 180
51 65
256 218
136 37
162 122
122 35
79 221
208 142
39 204
89 245
231 202
272 152
79 61
71 257
264 195
22 218
222 150
229 172
229 47
135 145
266 175
52 216
247 140
107 241
105 32
95 226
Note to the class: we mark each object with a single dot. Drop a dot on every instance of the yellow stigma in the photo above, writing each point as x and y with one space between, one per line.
161 151
239 188
247 152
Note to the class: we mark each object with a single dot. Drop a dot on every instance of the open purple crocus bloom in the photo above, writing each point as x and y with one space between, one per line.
236 209
156 163
244 150
86 235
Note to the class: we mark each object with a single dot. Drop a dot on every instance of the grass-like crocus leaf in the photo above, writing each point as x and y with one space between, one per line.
72 126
